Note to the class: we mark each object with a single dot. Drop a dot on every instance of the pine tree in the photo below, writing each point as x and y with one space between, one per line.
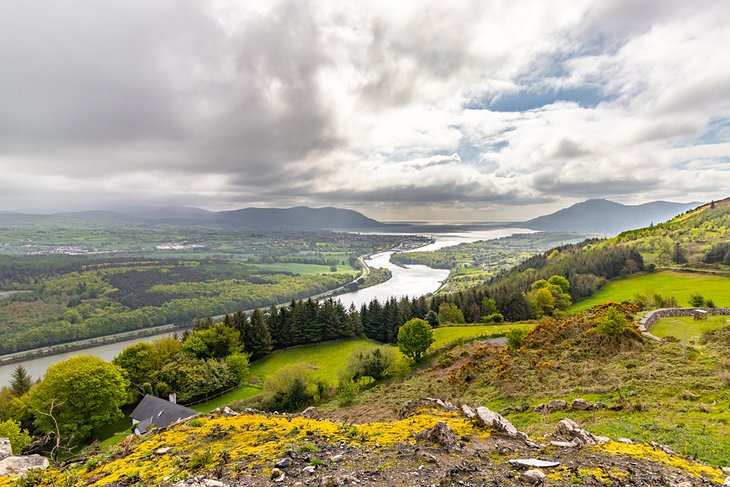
20 381
256 338
273 321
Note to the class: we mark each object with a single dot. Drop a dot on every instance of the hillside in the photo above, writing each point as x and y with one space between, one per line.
298 217
702 236
607 217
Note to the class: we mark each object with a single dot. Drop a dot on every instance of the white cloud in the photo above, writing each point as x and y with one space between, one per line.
383 106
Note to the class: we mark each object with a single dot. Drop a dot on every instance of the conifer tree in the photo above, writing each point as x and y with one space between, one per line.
20 381
256 337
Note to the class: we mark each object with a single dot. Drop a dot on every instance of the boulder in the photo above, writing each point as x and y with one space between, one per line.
440 434
551 407
14 466
496 421
5 448
468 411
579 404
309 413
283 463
569 428
533 477
195 482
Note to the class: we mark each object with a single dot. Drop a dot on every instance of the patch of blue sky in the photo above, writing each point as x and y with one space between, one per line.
525 100
718 130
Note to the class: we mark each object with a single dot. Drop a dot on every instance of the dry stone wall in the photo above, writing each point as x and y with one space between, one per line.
647 321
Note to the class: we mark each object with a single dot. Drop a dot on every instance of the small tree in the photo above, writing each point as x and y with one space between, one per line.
678 255
20 381
432 318
450 313
79 394
696 300
414 338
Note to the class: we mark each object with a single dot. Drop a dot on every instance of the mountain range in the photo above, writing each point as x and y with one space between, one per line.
592 216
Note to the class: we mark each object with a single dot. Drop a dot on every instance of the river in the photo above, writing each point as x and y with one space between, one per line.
411 281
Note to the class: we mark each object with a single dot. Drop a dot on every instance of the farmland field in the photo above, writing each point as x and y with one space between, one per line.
679 285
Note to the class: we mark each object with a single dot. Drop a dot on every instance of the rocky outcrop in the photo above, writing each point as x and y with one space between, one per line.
409 408
13 466
5 448
440 434
570 429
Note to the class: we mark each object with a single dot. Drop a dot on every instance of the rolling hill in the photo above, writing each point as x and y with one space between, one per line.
607 217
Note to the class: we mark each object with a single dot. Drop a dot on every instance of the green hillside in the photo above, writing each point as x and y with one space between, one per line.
668 284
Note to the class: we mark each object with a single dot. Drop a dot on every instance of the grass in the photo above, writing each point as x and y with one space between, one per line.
306 269
327 359
679 285
687 327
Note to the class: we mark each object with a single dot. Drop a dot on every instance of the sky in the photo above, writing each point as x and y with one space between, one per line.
427 110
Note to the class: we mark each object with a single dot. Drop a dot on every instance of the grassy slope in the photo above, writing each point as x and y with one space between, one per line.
327 359
687 327
668 283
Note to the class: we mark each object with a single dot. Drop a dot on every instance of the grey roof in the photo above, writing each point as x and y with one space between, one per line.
153 410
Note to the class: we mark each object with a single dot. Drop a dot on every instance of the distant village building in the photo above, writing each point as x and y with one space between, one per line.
155 412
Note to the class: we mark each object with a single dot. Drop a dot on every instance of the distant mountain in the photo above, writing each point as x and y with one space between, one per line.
608 217
300 218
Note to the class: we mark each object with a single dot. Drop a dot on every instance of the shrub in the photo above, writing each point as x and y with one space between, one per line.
289 389
19 438
696 300
346 392
370 363
515 337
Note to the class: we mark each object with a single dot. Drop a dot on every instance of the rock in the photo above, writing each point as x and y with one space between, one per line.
195 482
625 440
571 429
309 413
163 450
468 411
5 449
13 466
229 412
726 483
411 407
283 463
663 448
309 469
566 444
277 475
428 457
533 463
336 458
551 407
496 421
440 434
533 477
338 480
579 404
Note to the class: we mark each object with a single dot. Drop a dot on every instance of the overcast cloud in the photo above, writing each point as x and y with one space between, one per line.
467 110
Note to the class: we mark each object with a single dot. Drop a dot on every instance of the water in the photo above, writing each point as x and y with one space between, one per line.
411 281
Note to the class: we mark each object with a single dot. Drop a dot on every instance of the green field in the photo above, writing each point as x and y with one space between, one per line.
306 269
679 285
687 327
327 359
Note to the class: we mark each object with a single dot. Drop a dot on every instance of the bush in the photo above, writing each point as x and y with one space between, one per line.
289 389
346 392
515 337
696 300
372 363
19 438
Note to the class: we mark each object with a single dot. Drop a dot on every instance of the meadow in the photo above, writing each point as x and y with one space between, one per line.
686 327
679 285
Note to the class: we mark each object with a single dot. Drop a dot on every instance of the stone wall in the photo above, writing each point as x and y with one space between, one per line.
647 321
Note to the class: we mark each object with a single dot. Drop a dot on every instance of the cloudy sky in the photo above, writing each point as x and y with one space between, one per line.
492 110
